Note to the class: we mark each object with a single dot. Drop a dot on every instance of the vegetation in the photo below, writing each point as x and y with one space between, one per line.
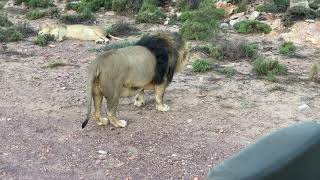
277 88
299 13
184 5
242 7
275 6
43 40
126 7
315 73
150 13
252 26
86 16
10 34
122 28
229 72
287 48
201 65
269 68
35 14
4 21
202 23
249 50
35 3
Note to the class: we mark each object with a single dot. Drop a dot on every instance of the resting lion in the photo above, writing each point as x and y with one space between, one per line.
78 31
148 65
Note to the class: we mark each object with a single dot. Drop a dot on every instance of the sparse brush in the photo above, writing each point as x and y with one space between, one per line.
43 40
4 21
25 29
35 14
201 65
242 7
122 28
269 68
37 3
10 34
252 26
287 48
77 18
315 73
53 12
275 6
229 72
126 7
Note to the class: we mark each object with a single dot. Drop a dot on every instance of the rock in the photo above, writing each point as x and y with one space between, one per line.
254 15
236 16
189 66
310 20
301 3
233 22
303 107
102 152
224 26
227 7
189 120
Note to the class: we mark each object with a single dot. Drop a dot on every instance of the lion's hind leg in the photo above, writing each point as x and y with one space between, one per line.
97 98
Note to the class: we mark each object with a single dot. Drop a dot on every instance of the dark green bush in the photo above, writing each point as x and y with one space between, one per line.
126 7
249 50
43 40
229 72
10 34
53 12
184 5
242 7
201 24
4 21
201 65
287 48
252 26
77 18
122 28
299 13
150 13
269 68
35 14
37 3
275 6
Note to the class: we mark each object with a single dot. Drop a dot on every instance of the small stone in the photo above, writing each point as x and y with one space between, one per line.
303 107
102 156
189 120
102 152
224 26
9 119
310 20
51 45
174 155
236 16
189 66
63 88
254 15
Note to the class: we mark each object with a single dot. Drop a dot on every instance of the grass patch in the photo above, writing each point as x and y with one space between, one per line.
43 40
229 72
249 50
35 14
201 66
203 23
122 28
53 12
252 26
242 7
315 73
77 18
126 7
287 48
277 88
25 29
269 68
299 13
4 21
10 34
35 3
150 13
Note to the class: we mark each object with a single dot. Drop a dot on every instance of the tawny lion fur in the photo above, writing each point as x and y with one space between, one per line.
78 31
148 65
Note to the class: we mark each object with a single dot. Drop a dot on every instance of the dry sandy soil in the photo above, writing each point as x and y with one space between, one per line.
211 116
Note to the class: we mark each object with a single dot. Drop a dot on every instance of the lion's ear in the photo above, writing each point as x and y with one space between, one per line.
188 45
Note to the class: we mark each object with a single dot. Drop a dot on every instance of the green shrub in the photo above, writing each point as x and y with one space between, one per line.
73 6
4 21
25 29
249 50
229 72
53 12
298 13
275 6
201 24
150 13
126 7
269 68
201 65
77 18
10 34
242 7
35 14
122 28
287 48
94 5
252 26
1 5
38 3
43 40
184 5
315 73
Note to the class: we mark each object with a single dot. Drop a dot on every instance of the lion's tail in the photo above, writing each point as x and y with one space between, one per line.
92 74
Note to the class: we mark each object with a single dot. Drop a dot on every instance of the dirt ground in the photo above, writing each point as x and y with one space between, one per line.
211 117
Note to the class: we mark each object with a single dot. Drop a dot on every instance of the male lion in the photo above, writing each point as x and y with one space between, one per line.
78 31
148 65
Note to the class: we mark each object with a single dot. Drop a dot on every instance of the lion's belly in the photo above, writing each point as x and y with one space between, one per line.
82 33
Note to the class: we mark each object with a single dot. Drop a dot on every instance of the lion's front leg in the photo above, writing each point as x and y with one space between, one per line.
159 92
139 99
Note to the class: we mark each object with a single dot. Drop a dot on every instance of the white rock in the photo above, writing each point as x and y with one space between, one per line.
102 152
189 120
189 66
254 15
303 107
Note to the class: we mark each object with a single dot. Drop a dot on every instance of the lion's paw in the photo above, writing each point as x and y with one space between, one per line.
163 107
122 123
103 122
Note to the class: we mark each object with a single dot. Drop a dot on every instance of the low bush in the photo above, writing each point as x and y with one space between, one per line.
43 40
249 50
229 72
150 13
203 23
77 18
298 13
275 6
242 7
287 48
35 14
122 28
10 34
252 26
269 68
126 7
315 73
35 3
4 21
201 65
